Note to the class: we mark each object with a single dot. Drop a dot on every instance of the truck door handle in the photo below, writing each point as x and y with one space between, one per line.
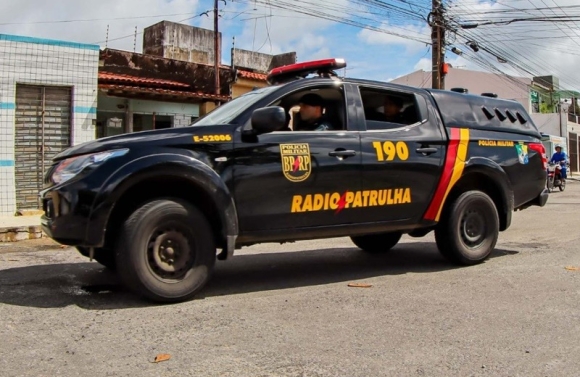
426 150
342 153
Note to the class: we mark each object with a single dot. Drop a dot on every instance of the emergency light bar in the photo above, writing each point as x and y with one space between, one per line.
324 67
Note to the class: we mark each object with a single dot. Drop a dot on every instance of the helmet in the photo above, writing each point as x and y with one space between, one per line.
558 146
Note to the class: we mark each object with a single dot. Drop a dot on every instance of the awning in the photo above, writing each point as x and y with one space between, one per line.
159 93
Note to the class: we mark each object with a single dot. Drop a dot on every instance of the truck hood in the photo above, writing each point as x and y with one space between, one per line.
164 137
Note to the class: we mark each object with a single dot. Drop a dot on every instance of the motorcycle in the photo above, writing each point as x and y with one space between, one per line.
555 177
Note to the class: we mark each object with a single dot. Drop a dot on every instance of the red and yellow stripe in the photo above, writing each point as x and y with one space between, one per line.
454 164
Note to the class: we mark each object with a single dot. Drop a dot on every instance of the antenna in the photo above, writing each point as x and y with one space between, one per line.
107 38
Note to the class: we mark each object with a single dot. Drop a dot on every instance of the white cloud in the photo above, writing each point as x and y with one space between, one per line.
393 36
28 17
424 64
280 30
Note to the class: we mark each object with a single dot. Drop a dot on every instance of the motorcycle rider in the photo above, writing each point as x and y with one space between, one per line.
560 156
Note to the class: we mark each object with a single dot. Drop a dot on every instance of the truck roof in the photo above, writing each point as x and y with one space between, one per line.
481 112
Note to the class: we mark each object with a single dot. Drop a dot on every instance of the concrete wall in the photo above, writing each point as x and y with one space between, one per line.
36 61
550 124
259 61
181 120
245 85
181 42
476 82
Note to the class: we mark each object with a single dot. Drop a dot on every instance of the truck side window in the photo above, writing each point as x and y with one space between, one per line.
333 107
388 109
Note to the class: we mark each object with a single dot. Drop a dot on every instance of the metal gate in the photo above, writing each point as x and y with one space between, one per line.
42 129
573 152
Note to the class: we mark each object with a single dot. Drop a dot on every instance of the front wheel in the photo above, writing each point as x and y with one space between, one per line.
166 251
562 186
377 243
469 230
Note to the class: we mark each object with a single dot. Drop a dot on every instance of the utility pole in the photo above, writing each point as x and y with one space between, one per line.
217 55
438 45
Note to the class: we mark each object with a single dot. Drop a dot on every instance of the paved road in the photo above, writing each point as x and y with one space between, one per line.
287 311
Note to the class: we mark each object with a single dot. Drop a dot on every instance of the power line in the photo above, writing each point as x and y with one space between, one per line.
93 19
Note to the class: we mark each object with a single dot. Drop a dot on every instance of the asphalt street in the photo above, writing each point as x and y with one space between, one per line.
287 310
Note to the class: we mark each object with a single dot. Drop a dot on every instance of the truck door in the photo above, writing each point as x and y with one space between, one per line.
297 179
403 154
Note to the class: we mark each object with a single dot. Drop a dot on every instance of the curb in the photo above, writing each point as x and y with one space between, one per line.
21 233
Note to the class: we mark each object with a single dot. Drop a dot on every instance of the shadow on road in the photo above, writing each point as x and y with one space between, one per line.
90 286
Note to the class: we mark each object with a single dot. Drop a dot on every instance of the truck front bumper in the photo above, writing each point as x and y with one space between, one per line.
66 213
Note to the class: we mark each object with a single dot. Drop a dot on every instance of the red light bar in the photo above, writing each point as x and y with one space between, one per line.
293 71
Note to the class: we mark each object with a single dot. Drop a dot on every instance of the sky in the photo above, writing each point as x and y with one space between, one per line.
392 45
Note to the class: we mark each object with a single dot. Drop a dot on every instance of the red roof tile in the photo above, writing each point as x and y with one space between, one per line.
164 92
127 79
252 75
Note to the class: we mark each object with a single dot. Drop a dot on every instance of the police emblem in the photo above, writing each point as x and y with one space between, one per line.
522 151
296 161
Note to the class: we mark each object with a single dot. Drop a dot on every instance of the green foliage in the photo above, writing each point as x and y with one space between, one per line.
545 108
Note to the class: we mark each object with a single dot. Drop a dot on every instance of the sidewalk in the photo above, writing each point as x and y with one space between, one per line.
19 228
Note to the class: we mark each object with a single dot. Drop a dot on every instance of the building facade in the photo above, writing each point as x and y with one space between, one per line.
139 92
48 101
173 81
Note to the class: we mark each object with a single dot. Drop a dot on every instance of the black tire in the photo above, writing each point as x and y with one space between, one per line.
166 251
562 186
105 257
377 243
469 229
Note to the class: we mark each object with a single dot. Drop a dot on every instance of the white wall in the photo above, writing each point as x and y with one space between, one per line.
550 124
34 61
476 82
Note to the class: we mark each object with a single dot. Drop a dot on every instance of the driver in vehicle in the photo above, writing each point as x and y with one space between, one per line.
312 117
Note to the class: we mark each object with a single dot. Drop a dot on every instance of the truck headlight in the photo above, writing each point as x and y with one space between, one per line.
70 167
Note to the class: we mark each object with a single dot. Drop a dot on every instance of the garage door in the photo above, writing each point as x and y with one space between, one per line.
42 129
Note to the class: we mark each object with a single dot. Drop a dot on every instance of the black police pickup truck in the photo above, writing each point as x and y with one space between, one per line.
157 206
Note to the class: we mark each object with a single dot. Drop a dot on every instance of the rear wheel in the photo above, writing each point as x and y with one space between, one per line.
469 229
377 243
166 251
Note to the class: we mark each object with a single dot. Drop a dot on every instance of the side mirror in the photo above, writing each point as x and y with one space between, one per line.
268 119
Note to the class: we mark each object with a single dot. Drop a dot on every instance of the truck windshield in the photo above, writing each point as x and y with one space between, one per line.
226 113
